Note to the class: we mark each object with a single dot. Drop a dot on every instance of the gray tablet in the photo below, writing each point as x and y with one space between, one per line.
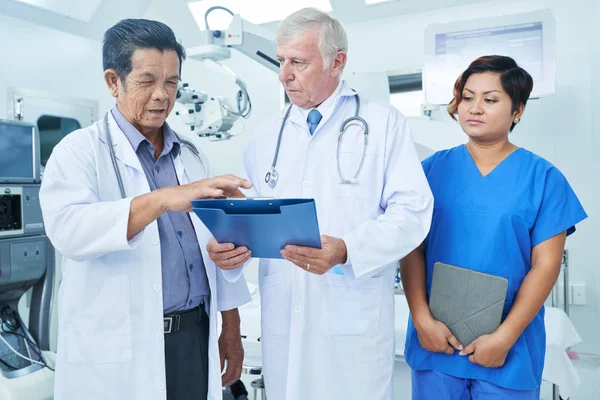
470 303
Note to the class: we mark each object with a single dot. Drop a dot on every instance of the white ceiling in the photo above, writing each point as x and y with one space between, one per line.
80 11
108 13
351 11
255 11
102 14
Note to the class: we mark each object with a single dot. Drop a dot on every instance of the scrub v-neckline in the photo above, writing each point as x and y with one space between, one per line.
476 168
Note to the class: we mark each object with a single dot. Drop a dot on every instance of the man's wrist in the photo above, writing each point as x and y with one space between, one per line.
231 320
161 198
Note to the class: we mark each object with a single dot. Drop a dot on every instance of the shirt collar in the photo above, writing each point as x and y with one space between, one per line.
299 116
326 107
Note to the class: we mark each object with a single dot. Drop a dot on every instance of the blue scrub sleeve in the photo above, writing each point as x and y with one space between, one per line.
428 162
559 210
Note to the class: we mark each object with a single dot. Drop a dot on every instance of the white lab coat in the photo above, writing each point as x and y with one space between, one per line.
111 341
332 336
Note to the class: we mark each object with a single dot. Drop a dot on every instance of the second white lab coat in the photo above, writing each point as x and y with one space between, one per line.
111 341
332 336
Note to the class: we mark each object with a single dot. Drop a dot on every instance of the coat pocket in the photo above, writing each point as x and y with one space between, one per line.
102 332
351 309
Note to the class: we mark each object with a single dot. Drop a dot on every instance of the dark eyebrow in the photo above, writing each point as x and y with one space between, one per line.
151 76
488 92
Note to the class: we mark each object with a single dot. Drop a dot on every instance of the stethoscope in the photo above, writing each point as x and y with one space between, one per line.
272 176
184 143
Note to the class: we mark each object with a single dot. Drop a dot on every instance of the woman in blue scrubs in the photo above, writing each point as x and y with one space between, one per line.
500 210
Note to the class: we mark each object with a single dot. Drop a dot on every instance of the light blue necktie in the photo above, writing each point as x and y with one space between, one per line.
314 117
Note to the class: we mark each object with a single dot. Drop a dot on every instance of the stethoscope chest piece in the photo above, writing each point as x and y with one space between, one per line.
271 178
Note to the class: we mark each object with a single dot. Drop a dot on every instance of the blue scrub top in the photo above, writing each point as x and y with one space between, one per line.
491 224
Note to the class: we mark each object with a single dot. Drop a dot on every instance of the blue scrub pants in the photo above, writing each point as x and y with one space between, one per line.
432 385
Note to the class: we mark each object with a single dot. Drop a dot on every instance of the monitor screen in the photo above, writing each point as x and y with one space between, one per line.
528 38
16 152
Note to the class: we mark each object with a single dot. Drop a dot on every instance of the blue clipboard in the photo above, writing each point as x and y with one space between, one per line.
265 226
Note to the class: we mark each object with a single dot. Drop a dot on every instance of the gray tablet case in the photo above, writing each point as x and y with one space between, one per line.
469 303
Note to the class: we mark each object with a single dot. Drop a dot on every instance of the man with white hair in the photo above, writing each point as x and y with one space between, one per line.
328 314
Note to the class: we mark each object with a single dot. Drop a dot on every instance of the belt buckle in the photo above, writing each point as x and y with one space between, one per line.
171 324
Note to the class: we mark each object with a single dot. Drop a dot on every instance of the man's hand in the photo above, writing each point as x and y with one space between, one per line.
226 256
435 336
488 350
318 261
179 198
230 347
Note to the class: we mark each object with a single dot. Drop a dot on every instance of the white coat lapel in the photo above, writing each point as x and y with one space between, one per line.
123 149
182 177
298 119
191 166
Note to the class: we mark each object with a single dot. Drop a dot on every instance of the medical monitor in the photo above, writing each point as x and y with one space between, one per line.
529 38
19 152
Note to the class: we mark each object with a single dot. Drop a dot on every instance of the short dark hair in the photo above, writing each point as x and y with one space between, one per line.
516 82
129 35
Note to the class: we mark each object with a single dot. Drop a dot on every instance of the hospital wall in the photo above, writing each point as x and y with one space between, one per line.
38 58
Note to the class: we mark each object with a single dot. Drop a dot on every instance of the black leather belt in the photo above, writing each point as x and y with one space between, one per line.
176 321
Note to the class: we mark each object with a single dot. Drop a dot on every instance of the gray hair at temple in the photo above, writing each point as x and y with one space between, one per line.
332 37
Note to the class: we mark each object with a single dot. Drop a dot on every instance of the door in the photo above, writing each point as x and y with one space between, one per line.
55 116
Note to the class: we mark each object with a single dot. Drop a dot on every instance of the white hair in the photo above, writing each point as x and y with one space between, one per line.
332 37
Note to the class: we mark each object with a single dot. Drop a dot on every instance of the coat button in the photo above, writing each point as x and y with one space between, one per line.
306 183
312 145
298 309
160 336
157 287
161 387
155 241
